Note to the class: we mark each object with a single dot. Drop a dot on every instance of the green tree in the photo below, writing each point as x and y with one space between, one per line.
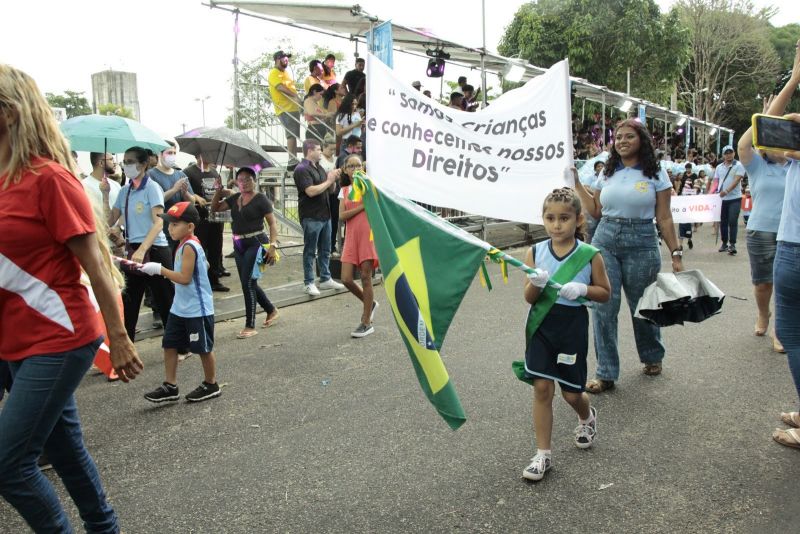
74 102
732 60
603 40
784 39
114 109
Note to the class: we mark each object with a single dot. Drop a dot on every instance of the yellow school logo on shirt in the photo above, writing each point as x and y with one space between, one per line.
641 187
139 207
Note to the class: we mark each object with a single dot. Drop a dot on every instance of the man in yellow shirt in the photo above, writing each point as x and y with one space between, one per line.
286 102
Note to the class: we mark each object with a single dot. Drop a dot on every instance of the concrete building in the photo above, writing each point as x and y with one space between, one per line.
115 87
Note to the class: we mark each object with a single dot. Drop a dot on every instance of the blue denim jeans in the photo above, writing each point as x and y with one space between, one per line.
316 240
630 252
729 220
245 256
40 414
786 280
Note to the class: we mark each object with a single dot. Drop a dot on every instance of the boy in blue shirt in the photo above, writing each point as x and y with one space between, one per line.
191 318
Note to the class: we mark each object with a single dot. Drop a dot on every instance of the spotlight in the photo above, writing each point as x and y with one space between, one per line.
513 72
713 131
436 63
680 131
435 68
681 120
626 106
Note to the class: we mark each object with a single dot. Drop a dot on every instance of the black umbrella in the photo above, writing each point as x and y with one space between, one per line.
224 146
675 298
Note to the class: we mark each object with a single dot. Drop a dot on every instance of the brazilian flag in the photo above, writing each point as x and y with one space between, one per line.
428 264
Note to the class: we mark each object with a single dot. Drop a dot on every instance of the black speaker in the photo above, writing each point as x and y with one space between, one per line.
435 68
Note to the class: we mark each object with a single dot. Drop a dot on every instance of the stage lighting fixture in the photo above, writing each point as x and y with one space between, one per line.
626 106
435 68
681 120
713 131
436 63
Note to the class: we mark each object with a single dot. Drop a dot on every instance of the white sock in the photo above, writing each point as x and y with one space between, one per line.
546 452
587 421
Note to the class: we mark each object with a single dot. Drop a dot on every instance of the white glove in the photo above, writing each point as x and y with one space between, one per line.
152 268
539 278
573 290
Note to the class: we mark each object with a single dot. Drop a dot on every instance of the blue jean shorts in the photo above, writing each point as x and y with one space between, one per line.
761 250
194 333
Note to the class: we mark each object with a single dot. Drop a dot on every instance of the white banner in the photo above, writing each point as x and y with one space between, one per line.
696 208
499 162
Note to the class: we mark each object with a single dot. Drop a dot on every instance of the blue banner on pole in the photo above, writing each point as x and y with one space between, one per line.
380 42
642 113
730 138
688 132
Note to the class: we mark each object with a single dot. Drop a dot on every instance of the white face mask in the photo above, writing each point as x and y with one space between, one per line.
131 171
169 160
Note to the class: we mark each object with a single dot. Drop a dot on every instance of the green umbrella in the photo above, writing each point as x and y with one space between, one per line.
109 133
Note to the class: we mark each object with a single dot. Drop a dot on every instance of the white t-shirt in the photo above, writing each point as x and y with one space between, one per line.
327 165
354 118
92 187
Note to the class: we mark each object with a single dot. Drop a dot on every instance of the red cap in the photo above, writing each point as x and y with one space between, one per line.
182 211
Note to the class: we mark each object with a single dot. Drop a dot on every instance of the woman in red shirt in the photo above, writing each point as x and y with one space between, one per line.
49 333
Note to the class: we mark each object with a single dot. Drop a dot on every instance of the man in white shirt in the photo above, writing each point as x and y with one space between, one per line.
102 191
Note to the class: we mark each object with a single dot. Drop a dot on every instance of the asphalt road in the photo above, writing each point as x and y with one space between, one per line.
319 432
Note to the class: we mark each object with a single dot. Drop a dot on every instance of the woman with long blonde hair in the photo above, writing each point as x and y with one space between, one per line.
48 329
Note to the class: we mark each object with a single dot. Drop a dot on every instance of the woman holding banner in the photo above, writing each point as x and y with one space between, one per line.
48 330
630 192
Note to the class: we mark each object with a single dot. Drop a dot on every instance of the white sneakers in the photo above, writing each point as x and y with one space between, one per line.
312 290
331 284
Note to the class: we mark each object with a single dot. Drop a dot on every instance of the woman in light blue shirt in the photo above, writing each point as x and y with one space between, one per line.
631 192
139 204
767 175
786 273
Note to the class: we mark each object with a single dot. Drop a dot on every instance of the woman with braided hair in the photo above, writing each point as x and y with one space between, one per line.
631 191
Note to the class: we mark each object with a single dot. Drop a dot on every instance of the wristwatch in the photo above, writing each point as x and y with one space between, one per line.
678 252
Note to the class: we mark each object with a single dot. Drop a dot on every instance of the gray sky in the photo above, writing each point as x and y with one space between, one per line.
182 50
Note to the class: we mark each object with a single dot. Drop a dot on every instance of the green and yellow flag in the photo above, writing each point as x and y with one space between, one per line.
428 264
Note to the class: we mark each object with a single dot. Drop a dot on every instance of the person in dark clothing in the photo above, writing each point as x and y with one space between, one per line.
353 77
249 209
313 188
208 231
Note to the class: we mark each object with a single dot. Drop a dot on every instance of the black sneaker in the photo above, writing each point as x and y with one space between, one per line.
691 245
220 288
163 393
204 391
732 250
723 248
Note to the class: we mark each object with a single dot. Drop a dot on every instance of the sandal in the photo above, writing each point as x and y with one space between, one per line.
652 369
244 334
791 418
598 385
787 438
761 327
271 318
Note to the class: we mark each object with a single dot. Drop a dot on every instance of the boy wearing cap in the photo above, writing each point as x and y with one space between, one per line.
191 318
